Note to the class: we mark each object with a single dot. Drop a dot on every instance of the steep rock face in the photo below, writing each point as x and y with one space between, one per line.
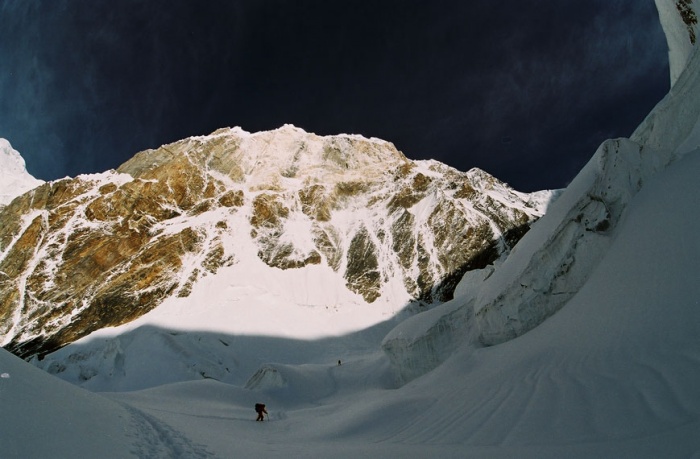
80 254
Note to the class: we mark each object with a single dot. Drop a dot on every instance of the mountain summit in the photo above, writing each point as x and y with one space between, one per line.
15 178
354 214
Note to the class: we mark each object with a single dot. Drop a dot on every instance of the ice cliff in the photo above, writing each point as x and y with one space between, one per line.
552 262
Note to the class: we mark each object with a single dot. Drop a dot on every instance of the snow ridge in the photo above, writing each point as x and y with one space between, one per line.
15 178
574 235
679 21
549 266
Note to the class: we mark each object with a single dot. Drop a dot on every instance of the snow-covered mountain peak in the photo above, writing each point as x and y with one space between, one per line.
10 159
322 224
288 157
15 178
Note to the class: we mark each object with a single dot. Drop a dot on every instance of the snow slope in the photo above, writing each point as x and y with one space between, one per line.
45 417
681 32
15 178
612 372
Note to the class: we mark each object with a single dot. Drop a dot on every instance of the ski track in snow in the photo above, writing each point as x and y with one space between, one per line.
156 439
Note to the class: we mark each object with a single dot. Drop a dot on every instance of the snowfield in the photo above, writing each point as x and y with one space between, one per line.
613 374
613 371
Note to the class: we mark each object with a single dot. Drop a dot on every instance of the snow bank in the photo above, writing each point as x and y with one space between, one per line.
45 417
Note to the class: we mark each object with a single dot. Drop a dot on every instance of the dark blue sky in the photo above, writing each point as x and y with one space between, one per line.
524 89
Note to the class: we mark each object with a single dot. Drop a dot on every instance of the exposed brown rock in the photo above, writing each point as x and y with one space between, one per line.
232 198
362 272
268 211
316 203
80 254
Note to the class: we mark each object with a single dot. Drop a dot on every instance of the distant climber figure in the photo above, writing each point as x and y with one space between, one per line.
338 362
260 409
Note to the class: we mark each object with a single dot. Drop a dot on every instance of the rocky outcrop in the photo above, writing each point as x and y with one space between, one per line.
99 250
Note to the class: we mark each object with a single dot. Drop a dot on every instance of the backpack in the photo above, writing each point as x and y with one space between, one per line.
259 407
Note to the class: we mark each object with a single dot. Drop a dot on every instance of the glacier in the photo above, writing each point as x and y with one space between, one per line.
553 261
611 371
